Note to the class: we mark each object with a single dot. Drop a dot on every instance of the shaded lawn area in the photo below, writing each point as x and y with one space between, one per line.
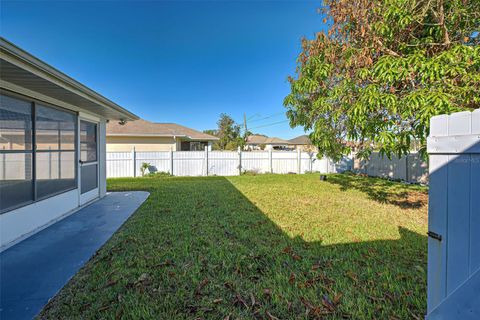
259 247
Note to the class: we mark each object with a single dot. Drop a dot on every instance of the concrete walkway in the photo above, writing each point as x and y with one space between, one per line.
34 270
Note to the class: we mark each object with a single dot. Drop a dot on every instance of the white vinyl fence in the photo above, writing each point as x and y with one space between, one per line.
411 168
454 217
220 163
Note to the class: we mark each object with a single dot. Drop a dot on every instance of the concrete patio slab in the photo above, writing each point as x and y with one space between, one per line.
34 270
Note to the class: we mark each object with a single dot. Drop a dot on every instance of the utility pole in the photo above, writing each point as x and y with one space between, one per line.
245 123
245 135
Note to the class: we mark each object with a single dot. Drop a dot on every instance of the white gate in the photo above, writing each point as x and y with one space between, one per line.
454 217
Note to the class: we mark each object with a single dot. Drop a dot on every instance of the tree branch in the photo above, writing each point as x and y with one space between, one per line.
446 37
387 50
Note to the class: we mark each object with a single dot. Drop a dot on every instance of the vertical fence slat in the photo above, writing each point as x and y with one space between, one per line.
437 222
475 212
458 207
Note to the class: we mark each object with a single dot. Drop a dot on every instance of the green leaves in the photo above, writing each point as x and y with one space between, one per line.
383 70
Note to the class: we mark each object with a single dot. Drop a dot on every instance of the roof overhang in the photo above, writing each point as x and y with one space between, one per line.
18 68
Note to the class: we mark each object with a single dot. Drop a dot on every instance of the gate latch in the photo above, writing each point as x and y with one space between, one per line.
434 235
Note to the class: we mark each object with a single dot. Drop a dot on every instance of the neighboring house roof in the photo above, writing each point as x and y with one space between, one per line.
275 140
301 140
259 139
19 69
144 128
256 139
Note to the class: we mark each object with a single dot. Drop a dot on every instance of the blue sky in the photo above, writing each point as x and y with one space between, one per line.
183 62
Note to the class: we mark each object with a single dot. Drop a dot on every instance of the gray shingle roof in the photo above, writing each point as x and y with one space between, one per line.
259 139
140 128
301 140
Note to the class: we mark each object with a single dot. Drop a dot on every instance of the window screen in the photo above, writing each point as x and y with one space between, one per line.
15 124
16 183
89 177
193 145
88 141
55 154
28 174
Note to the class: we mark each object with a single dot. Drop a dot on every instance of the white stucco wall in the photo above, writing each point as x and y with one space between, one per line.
141 144
18 224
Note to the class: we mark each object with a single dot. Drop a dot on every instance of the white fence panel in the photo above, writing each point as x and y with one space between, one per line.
220 163
189 163
158 161
119 164
321 165
284 162
223 163
410 168
258 161
307 160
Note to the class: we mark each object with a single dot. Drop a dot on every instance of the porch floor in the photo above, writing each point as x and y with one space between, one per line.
34 270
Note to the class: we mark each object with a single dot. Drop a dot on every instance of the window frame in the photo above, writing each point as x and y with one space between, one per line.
33 151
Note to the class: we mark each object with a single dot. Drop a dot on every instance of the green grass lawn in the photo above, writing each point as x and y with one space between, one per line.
259 247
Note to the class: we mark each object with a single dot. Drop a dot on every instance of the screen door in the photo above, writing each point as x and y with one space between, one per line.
88 161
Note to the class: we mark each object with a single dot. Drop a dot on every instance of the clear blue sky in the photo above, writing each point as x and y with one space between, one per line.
183 62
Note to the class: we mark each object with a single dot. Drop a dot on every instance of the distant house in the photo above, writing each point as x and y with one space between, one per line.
151 136
303 143
261 142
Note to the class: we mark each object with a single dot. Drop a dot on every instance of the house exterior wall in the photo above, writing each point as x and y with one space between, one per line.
20 223
306 148
141 144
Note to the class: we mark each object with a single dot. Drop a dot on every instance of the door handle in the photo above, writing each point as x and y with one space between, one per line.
434 235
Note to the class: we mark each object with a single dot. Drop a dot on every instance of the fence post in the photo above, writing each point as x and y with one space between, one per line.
270 160
171 161
4 166
49 164
239 161
299 161
206 160
134 162
407 179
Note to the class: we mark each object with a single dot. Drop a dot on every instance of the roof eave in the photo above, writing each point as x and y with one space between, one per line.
13 53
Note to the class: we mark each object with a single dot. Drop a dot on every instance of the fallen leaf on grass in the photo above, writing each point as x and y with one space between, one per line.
310 307
166 263
252 299
271 317
200 286
228 285
103 308
336 299
291 280
239 301
143 277
287 250
328 304
296 257
217 301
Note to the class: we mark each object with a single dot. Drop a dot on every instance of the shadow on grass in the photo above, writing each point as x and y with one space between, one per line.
383 191
199 249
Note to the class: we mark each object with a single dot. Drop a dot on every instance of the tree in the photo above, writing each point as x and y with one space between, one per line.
382 70
228 132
